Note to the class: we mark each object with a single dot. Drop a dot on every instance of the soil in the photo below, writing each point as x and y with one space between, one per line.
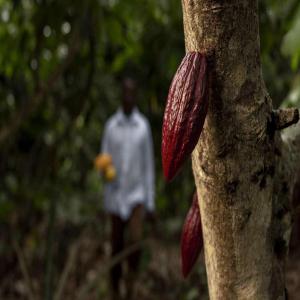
81 272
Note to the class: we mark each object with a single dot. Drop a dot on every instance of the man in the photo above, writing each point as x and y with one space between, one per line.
127 138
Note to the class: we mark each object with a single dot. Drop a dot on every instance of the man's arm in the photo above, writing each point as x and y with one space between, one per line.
149 171
105 144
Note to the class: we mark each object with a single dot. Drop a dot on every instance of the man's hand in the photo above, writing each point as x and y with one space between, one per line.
103 163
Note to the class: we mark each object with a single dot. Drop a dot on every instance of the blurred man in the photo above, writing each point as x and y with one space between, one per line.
127 138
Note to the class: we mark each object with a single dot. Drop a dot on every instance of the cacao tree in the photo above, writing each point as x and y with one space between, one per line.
243 164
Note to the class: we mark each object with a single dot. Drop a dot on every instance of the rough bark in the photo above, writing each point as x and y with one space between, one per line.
238 158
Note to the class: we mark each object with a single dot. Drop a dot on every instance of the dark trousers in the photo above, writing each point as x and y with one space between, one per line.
118 227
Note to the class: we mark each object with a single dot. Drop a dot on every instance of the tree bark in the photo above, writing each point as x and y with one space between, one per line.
238 160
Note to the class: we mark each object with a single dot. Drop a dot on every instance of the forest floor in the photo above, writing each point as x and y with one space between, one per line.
81 270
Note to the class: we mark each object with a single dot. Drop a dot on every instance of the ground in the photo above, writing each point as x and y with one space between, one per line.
81 270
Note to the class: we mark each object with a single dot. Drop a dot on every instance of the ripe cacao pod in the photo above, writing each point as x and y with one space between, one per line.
185 112
110 173
102 161
191 238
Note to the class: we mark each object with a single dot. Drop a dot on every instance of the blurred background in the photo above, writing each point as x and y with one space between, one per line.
61 65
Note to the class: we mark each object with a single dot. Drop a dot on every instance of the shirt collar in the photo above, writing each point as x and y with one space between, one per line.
131 119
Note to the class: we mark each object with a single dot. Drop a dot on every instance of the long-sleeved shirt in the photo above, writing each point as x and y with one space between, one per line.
128 140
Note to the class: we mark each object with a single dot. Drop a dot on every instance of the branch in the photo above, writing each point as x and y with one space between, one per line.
85 91
17 86
24 268
115 260
67 270
283 118
29 107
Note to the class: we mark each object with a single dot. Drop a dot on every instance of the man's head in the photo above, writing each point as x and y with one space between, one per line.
128 95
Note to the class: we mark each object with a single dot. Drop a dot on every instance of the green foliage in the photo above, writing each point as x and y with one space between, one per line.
61 66
277 21
60 71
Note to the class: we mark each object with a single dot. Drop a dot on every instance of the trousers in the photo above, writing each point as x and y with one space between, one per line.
118 231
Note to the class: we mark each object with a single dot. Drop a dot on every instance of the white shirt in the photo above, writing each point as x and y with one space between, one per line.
128 140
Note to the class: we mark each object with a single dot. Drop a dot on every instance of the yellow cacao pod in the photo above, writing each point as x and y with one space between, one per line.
103 161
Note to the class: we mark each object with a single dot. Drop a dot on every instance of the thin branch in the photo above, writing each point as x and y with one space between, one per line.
67 270
24 268
49 255
115 260
27 108
85 91
283 118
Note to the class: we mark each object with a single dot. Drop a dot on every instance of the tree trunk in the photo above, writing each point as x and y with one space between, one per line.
238 160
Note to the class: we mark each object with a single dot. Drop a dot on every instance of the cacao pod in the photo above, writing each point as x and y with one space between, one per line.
110 173
191 238
102 161
185 112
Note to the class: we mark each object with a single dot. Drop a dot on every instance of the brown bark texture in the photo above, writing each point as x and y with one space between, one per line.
242 166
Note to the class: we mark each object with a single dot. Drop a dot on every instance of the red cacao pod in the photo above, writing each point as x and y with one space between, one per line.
185 112
191 238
